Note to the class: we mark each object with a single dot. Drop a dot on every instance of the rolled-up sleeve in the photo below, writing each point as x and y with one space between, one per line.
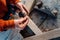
4 24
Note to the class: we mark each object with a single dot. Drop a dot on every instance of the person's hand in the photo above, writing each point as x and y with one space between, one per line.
22 8
21 23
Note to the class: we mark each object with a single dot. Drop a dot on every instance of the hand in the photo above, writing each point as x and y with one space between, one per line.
21 23
22 8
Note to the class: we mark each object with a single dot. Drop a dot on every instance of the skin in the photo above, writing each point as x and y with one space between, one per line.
22 8
23 21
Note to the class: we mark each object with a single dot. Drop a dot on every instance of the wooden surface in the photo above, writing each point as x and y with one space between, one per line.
29 4
46 36
53 27
34 27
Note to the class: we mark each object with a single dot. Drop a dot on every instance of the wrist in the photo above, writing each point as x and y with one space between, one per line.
16 24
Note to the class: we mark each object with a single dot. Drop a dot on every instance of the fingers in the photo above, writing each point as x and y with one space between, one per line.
23 19
23 25
25 8
22 8
19 5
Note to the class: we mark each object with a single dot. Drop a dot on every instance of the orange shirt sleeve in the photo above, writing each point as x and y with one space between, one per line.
14 1
6 24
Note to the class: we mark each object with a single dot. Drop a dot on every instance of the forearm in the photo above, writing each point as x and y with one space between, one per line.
4 24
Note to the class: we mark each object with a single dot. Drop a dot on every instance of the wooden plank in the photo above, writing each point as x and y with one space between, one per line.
29 4
34 27
46 36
